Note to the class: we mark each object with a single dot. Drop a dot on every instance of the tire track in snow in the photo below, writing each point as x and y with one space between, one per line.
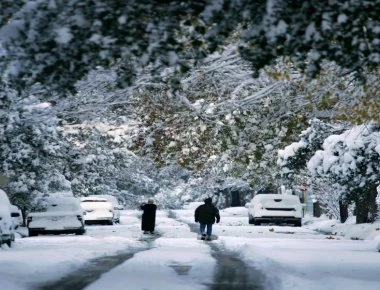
87 274
231 272
94 268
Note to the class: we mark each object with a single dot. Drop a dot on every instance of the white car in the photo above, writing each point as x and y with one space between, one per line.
115 205
61 215
16 215
97 210
275 208
6 223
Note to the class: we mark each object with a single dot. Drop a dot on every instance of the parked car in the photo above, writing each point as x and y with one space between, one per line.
61 215
275 208
16 215
97 210
7 235
116 207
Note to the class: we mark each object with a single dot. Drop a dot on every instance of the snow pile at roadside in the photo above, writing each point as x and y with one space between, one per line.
294 264
349 229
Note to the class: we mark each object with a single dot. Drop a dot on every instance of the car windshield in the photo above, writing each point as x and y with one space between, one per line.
64 206
94 200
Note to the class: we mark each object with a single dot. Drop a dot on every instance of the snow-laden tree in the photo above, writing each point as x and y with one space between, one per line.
217 111
329 198
345 32
97 158
352 160
220 115
212 113
58 42
293 159
99 162
97 98
359 103
32 150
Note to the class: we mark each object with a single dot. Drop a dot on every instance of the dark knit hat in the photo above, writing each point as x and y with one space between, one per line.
208 200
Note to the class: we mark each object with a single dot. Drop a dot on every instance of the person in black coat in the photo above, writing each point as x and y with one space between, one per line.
148 220
206 214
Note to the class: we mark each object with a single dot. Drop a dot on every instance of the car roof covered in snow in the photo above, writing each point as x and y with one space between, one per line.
3 197
14 208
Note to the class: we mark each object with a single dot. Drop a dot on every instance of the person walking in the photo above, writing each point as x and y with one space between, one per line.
148 219
206 214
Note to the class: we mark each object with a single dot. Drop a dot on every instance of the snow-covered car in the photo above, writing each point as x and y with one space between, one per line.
6 223
97 210
275 208
116 206
61 215
16 215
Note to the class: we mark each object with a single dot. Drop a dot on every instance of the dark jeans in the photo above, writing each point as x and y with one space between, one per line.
202 228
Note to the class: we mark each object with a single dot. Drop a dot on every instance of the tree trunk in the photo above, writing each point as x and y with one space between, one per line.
366 207
361 211
343 211
316 209
235 198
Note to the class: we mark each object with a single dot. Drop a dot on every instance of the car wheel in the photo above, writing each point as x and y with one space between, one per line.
250 219
298 223
33 233
80 232
256 223
9 242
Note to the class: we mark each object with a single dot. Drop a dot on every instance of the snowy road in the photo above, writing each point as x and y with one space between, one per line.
242 257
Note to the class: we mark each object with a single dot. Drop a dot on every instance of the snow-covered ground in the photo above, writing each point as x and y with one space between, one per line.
322 254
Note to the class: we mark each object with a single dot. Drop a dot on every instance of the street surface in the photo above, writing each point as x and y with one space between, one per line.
240 257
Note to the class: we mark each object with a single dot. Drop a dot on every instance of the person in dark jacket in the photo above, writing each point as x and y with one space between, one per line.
206 214
148 219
